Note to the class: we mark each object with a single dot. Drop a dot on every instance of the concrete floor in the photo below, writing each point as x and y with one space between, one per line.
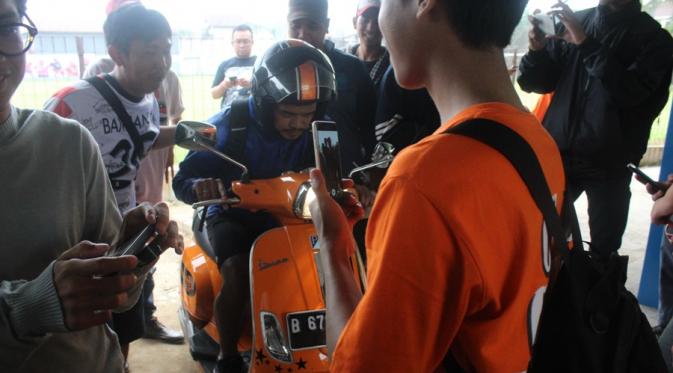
152 357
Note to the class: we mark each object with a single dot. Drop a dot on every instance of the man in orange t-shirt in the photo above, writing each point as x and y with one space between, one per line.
457 249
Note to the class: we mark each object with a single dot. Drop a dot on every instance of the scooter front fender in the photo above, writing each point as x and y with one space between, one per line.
284 280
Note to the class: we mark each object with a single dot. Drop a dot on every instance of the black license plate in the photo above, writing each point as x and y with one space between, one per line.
306 329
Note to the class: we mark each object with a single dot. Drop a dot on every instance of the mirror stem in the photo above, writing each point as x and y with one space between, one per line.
245 177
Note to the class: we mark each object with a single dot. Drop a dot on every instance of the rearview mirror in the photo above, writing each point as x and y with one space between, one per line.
383 152
381 158
196 136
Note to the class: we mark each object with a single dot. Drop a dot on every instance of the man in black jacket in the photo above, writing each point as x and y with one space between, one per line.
355 106
610 69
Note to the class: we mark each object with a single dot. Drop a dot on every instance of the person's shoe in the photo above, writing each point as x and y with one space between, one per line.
231 364
156 330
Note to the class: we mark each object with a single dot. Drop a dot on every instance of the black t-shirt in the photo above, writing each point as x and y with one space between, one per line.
231 69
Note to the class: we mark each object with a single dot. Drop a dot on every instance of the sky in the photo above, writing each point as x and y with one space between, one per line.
190 15
183 15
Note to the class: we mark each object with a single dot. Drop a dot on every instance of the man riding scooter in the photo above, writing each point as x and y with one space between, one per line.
292 84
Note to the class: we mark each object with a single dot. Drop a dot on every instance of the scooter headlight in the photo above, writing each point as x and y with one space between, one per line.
305 196
274 339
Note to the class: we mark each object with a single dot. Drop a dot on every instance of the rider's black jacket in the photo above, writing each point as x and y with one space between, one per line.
608 90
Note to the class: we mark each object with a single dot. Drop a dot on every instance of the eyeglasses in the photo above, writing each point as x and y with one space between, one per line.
17 38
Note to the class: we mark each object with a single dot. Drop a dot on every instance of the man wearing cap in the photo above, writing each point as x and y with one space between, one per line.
369 50
354 109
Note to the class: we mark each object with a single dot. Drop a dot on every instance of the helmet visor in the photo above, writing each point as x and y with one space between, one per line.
306 83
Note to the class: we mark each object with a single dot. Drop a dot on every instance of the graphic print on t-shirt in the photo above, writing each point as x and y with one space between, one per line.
83 103
237 72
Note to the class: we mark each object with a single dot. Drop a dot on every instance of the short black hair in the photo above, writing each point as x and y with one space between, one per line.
482 24
21 7
134 22
239 28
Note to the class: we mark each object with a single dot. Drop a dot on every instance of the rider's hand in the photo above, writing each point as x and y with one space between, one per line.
90 286
207 189
574 31
138 218
334 222
536 38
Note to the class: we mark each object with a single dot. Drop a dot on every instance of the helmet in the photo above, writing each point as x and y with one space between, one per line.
293 72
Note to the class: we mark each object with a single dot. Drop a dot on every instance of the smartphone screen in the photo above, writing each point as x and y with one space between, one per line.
546 23
327 154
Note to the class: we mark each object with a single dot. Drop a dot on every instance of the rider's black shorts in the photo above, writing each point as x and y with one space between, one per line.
233 232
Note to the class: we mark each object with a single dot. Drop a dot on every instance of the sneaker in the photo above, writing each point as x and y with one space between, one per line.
156 330
231 364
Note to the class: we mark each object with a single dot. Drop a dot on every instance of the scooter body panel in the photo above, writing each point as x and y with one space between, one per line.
199 286
284 280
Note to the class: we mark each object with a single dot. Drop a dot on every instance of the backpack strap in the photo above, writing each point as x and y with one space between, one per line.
111 98
520 154
238 129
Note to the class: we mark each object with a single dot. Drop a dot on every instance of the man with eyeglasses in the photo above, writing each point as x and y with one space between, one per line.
233 76
55 195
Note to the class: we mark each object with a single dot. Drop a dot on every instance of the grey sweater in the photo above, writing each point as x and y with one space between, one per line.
54 193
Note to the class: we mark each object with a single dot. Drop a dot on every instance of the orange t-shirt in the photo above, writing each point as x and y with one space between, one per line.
455 252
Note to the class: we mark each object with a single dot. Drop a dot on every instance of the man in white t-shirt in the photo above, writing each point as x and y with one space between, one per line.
139 42
149 180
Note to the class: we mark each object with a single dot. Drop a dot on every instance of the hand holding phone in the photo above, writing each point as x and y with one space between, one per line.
328 155
545 22
143 245
644 179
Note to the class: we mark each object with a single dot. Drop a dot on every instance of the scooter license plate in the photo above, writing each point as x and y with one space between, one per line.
306 329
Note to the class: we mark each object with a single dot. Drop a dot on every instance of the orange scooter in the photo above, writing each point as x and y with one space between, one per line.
286 285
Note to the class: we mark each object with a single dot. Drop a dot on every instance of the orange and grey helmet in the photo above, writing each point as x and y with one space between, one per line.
293 72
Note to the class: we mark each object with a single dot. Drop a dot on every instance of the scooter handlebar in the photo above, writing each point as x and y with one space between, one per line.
220 201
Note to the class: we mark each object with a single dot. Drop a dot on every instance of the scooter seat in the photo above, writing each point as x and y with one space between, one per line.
201 235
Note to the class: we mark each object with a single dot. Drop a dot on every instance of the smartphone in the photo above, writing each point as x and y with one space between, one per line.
328 154
143 246
644 179
546 23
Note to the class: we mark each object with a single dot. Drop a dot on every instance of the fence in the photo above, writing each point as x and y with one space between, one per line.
56 59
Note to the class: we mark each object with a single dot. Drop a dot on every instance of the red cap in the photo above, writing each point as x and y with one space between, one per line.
113 5
364 5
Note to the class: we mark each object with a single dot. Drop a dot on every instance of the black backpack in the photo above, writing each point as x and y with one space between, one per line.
589 321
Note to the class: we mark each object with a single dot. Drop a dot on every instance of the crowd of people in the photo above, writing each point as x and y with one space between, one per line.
456 248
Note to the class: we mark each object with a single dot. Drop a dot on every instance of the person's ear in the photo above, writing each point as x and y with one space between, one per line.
327 26
355 22
425 7
116 55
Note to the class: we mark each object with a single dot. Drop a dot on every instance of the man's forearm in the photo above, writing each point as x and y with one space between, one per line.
166 137
342 293
219 90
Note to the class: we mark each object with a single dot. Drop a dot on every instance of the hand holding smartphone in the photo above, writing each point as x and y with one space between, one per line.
328 155
143 245
546 23
644 179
